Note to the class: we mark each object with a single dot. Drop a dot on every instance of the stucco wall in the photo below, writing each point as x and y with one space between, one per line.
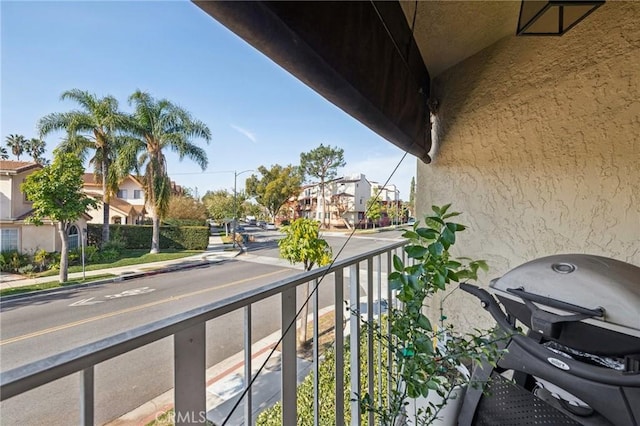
538 144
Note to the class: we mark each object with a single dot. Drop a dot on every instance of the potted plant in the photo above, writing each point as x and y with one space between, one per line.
429 363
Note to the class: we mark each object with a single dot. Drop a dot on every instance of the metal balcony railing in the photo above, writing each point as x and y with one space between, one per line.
367 270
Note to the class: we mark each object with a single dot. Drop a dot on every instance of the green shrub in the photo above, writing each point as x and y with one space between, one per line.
111 255
42 258
327 372
13 260
139 236
92 254
27 269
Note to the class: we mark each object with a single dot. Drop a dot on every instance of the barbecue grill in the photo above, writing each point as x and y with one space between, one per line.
579 362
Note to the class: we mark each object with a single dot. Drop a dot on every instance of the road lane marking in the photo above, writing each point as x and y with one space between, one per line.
132 309
85 302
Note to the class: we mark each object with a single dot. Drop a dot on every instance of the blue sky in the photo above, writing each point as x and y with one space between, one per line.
257 112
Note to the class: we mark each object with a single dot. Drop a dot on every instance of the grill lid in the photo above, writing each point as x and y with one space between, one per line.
586 281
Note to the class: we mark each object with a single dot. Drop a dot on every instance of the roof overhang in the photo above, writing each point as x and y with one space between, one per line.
361 56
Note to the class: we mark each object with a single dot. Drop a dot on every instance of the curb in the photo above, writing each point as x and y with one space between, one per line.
118 278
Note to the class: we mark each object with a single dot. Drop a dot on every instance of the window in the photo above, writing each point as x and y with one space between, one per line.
9 239
74 240
137 194
122 193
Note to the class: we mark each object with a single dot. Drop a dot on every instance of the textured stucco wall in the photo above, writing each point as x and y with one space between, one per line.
538 143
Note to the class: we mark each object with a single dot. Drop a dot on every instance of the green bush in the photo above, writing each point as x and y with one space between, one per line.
327 372
13 260
139 236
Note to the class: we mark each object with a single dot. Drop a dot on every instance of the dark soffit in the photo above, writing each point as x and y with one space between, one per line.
359 55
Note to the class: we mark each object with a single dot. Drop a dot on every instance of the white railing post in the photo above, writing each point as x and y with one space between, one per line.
289 358
339 333
316 357
87 396
354 323
370 340
189 375
248 421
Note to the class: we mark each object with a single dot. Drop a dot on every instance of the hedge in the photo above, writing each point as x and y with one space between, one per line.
139 236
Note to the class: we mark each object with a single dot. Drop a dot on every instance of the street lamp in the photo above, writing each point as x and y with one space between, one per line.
235 203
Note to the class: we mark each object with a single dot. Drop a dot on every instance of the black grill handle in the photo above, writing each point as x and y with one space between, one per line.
553 303
490 304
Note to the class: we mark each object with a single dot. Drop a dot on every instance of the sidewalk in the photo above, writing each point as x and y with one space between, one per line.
215 252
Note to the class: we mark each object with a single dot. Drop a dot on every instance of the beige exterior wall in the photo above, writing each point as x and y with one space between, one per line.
40 237
538 143
5 197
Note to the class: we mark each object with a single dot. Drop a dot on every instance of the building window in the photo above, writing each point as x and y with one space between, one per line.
9 239
122 193
117 220
137 194
74 240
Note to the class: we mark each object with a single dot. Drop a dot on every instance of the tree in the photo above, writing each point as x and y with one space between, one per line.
302 244
220 204
35 147
4 155
322 163
374 211
275 187
92 128
17 144
158 125
412 196
56 194
185 208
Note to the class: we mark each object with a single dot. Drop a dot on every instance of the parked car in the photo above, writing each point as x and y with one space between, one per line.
261 223
411 221
270 227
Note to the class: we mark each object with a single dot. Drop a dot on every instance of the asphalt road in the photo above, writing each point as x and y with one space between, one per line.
37 327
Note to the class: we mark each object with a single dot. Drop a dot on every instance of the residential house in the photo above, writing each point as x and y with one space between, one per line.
126 208
15 234
345 199
389 197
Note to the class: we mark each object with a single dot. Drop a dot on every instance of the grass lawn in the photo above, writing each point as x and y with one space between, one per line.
127 258
51 284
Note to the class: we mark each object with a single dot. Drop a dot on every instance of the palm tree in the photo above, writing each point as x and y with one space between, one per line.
35 148
4 155
17 143
158 125
94 128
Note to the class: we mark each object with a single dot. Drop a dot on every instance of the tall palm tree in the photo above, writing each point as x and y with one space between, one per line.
158 125
94 127
4 155
35 148
17 144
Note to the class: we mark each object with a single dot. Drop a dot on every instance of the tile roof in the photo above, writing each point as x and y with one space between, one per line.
90 179
17 166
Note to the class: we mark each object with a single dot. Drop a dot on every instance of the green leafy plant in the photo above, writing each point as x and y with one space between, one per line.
427 359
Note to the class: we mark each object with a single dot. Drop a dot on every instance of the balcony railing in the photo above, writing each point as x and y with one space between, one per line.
366 270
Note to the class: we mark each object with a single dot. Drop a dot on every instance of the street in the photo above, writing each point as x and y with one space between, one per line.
41 326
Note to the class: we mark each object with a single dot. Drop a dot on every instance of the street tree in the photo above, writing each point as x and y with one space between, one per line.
322 163
56 194
4 155
275 187
412 196
374 210
93 128
302 244
158 125
183 208
17 144
221 204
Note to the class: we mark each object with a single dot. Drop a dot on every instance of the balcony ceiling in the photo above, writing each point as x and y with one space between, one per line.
368 57
447 32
